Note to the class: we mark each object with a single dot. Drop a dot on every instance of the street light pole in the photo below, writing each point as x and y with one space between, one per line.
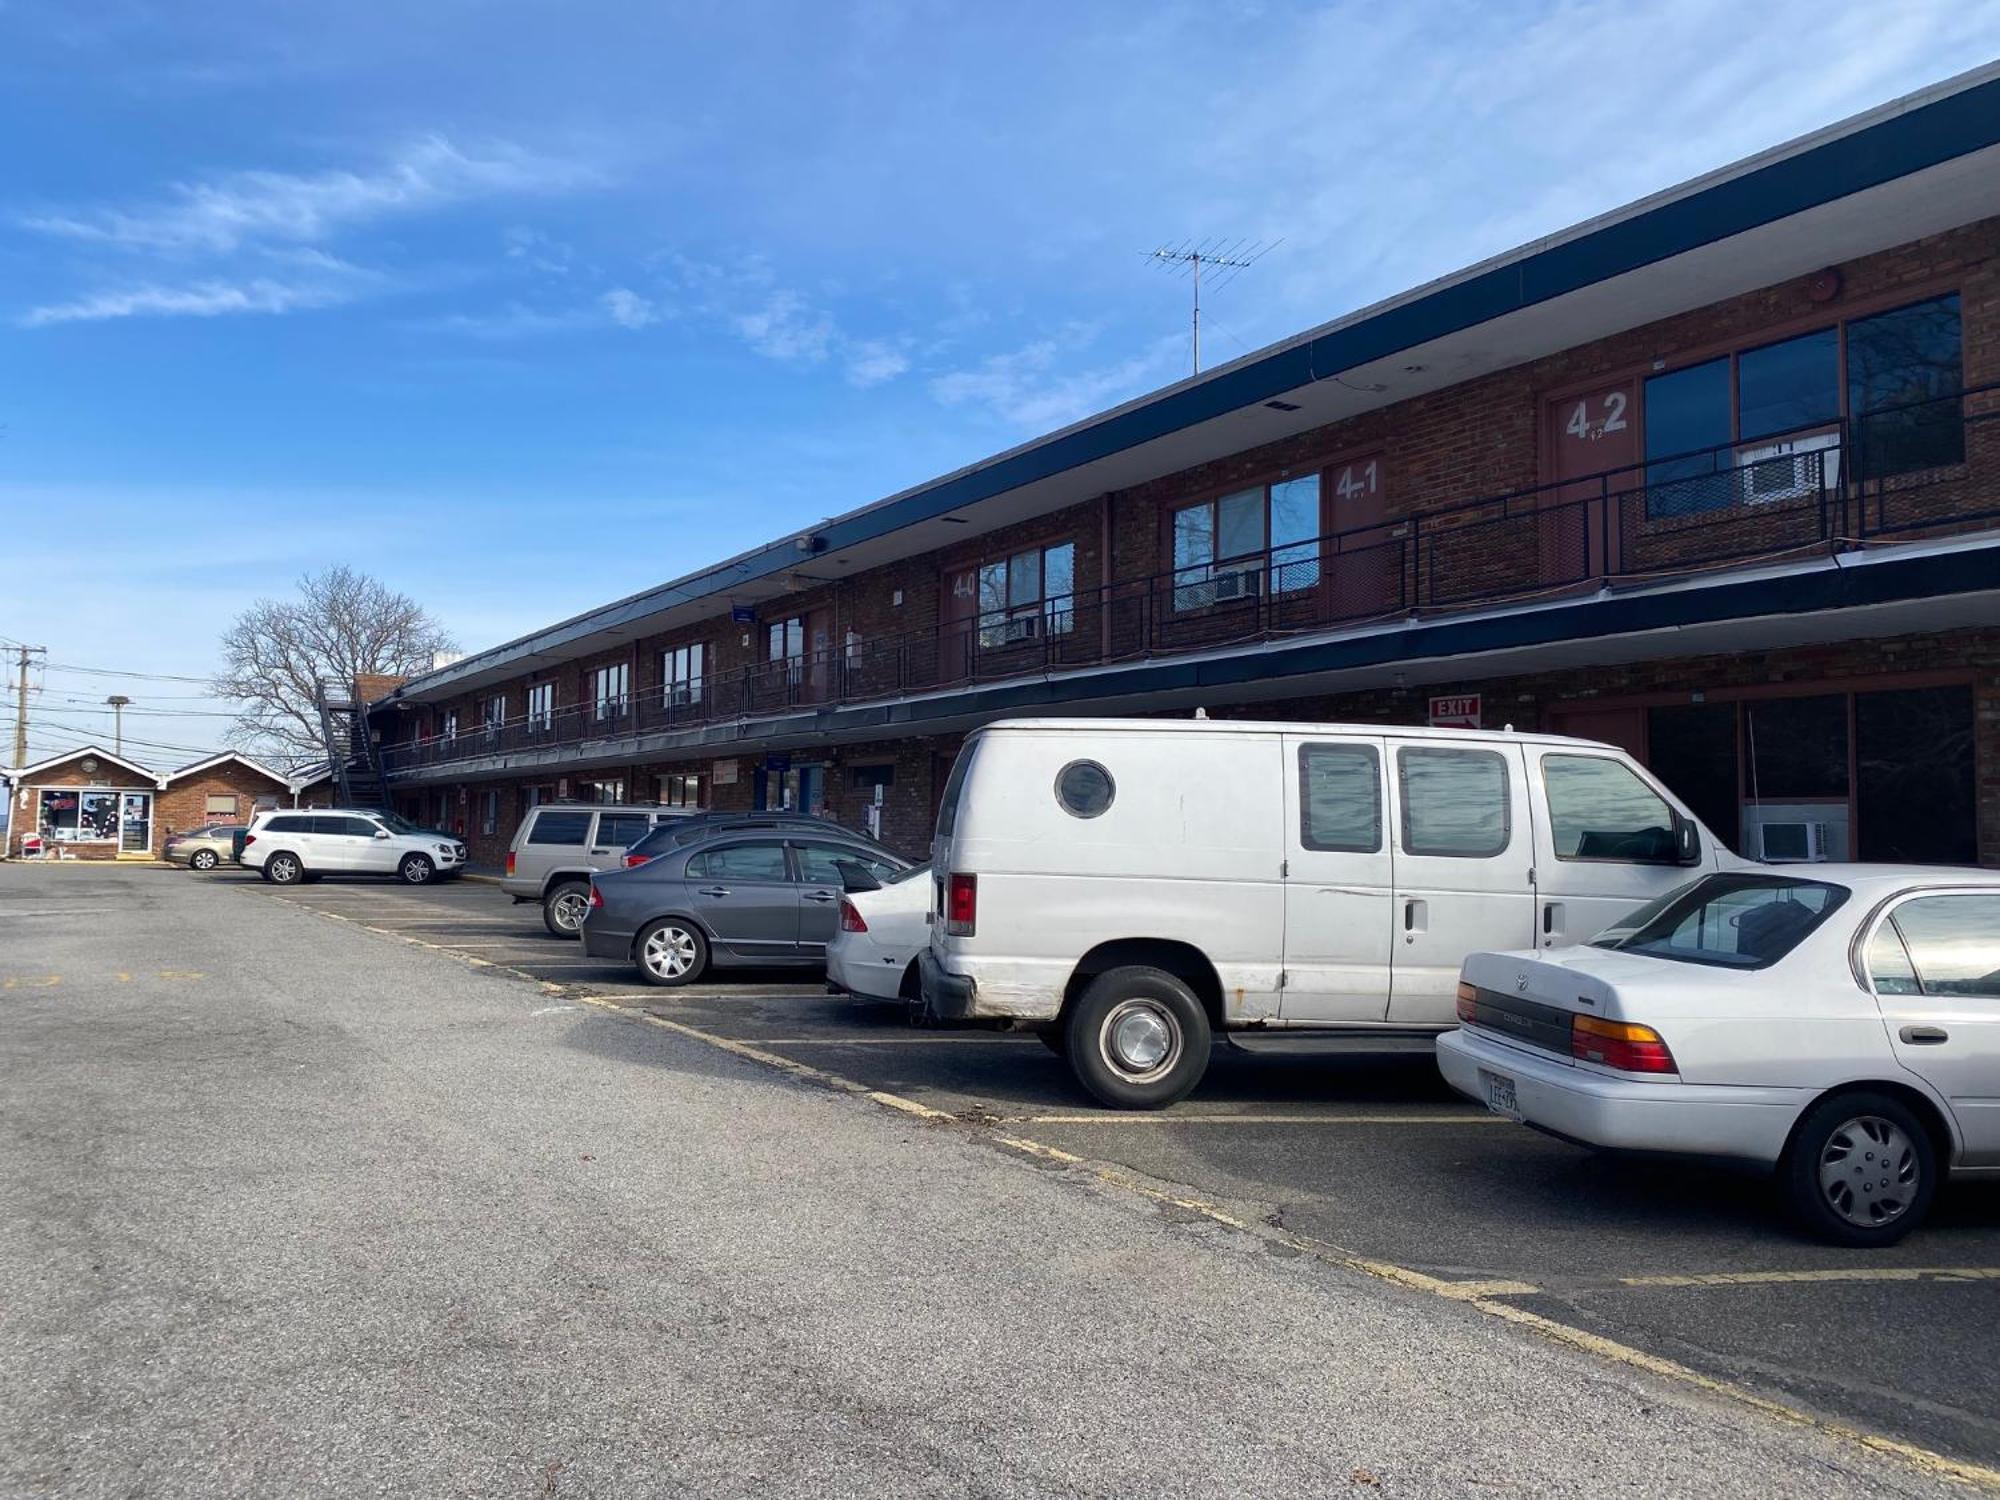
118 702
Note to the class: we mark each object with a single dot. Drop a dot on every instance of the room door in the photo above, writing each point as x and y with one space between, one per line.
958 617
135 823
1363 567
1584 435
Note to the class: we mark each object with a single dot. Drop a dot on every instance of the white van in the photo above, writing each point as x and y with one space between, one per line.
1128 887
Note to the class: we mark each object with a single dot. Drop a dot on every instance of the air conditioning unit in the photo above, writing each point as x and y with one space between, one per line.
1240 583
1794 842
1020 628
1789 470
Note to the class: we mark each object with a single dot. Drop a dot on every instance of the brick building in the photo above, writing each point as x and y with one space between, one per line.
1715 477
94 804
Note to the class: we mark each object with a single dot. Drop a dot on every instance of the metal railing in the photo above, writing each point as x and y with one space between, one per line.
1931 466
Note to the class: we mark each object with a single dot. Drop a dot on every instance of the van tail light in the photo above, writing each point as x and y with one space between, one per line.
596 897
961 906
1621 1045
510 864
1468 1002
633 861
850 919
249 839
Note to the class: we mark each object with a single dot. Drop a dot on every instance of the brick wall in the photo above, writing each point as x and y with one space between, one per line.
183 805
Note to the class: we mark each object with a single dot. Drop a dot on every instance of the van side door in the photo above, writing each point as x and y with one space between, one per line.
1339 887
1605 842
1465 856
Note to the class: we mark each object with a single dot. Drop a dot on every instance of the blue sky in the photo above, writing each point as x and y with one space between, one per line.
523 306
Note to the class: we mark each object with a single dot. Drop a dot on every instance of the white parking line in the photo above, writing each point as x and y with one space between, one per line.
961 1040
1824 1275
1370 1118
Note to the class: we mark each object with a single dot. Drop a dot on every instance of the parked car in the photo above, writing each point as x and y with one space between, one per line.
884 924
288 847
741 897
560 845
1129 887
686 830
203 848
1838 1024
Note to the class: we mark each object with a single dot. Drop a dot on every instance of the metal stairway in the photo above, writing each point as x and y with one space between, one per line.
350 748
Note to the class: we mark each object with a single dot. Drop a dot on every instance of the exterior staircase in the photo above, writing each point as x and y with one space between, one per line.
349 748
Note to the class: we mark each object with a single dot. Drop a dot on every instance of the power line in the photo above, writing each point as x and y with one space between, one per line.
57 666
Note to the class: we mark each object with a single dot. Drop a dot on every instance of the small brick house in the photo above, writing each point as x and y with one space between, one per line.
95 804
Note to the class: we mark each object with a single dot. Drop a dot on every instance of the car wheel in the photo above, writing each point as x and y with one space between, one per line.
202 859
283 868
1137 1039
1861 1170
671 951
564 908
416 869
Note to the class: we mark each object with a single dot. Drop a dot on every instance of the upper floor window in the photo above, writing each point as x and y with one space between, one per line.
610 688
1225 548
541 705
1905 369
496 711
681 672
785 640
448 724
1030 594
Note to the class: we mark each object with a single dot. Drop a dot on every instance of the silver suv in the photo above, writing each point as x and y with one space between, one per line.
560 845
290 846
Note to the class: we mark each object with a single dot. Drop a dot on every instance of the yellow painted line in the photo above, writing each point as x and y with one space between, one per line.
31 982
1818 1277
1110 1118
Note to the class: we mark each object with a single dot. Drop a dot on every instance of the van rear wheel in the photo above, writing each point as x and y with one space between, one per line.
1137 1039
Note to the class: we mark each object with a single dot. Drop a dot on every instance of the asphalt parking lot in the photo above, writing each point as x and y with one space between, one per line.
1368 1156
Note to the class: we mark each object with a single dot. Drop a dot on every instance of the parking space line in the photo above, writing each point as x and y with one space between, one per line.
960 1039
1822 1275
1470 1117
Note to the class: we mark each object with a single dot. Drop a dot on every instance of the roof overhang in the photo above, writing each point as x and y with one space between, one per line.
22 773
1919 166
223 758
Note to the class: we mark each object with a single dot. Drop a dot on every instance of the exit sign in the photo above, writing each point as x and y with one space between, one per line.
1461 712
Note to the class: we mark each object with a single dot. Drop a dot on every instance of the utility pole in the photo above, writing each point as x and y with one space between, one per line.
21 705
118 702
1188 258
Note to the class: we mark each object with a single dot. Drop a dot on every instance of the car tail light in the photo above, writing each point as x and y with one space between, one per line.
850 919
961 905
633 861
1468 1002
596 897
249 839
510 864
1619 1044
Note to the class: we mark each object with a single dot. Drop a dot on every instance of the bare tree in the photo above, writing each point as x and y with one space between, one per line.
342 623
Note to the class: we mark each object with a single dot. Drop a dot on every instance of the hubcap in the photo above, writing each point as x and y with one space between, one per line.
670 952
1868 1171
569 909
203 860
1140 1038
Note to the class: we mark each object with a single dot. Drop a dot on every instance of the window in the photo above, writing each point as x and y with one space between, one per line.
680 789
818 863
489 812
1601 809
622 830
448 725
1340 798
1085 789
220 805
1733 921
681 671
761 862
603 791
535 796
58 814
1795 749
786 639
1455 802
541 705
1692 749
1904 373
495 713
1028 595
1787 386
610 688
351 828
1222 546
1889 966
566 828
1916 785
1687 416
1953 943
288 825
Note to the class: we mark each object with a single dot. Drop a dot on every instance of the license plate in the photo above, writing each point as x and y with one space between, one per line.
1500 1095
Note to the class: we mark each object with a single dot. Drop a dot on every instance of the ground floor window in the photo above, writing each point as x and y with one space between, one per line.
93 815
602 791
489 812
681 789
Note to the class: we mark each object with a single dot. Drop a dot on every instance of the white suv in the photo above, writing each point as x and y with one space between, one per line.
288 847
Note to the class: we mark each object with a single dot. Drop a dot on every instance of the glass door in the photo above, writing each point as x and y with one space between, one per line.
135 823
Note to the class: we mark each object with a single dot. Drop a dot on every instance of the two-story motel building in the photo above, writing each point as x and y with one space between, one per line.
1715 477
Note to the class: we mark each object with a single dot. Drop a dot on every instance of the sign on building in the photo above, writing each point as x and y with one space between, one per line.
725 773
1458 712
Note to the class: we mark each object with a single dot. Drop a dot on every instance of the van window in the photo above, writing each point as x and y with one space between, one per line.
561 828
1601 809
1455 802
947 819
1340 798
1085 789
618 830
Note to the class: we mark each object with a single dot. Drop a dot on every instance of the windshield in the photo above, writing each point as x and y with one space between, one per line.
1736 921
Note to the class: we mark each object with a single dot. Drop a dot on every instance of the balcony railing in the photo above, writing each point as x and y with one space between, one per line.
1927 468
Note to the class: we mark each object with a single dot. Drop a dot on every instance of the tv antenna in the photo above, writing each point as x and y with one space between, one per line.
1189 257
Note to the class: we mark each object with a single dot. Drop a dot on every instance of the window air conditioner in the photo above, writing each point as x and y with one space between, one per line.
1239 583
1789 470
1794 842
1021 628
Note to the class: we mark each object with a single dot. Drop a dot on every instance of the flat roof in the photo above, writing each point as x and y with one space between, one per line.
1916 166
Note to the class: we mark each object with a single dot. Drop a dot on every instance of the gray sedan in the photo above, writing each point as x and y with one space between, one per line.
764 898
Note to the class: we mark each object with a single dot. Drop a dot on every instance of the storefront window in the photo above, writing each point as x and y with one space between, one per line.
1795 749
59 820
1916 798
1692 749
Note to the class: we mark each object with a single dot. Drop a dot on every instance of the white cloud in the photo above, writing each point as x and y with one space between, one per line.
788 330
628 309
227 212
1040 385
871 362
202 299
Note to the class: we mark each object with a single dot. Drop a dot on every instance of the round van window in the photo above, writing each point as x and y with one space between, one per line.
1084 788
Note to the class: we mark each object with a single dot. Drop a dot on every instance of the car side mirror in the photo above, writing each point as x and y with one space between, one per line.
1687 841
381 833
855 877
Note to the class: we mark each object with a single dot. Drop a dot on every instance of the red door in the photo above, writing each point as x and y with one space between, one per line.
959 615
1364 554
1585 435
